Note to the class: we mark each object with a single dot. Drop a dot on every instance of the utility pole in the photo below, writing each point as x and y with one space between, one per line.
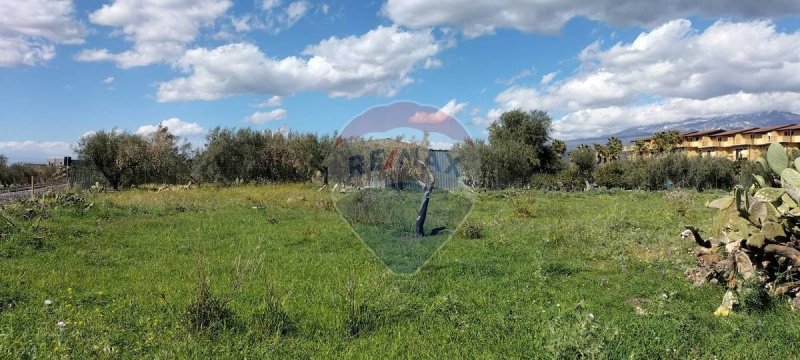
32 187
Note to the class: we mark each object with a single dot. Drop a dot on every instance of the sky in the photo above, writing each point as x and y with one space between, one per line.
68 68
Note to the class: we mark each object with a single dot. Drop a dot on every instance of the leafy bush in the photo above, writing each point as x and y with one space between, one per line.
680 171
545 181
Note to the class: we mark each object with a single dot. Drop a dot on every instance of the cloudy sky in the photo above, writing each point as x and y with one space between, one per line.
597 66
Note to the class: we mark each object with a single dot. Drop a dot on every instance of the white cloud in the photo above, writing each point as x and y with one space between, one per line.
274 101
260 117
268 5
548 78
35 151
379 62
30 29
175 126
296 11
479 17
160 31
108 80
453 108
667 74
279 19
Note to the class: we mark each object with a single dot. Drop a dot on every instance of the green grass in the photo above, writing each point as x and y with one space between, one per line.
385 220
555 275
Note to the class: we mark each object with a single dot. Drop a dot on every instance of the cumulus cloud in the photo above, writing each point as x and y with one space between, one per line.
30 29
175 126
379 62
667 74
479 17
453 108
260 117
274 101
160 31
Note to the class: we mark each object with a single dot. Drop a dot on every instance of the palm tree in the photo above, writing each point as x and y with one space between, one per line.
640 148
614 148
601 152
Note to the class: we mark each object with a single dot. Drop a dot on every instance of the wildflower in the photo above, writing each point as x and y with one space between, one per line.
61 324
48 302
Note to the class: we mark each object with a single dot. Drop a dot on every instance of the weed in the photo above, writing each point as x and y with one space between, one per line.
472 230
360 316
207 311
524 207
753 296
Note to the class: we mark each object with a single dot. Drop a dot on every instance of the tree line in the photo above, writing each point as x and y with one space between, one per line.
229 156
519 151
21 174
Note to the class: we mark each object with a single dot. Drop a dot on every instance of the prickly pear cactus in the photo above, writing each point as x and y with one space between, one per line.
758 248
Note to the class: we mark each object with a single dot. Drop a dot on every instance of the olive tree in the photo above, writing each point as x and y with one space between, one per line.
115 154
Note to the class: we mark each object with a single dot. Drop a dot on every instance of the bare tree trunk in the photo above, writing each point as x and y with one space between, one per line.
423 210
422 214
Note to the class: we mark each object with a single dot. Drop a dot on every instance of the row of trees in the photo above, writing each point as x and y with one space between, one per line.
19 174
229 156
662 168
519 151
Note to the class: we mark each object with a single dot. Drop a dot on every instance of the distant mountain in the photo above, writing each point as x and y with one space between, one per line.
727 122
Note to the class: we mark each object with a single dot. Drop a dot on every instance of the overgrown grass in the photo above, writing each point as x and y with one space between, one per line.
555 276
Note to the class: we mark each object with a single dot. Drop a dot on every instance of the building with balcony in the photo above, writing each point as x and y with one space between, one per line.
748 143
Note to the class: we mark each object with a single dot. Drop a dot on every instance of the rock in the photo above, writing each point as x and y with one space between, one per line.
796 303
698 276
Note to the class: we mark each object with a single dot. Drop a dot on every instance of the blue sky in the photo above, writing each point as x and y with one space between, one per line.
67 68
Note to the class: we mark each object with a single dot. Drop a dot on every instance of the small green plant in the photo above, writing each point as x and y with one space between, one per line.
753 296
524 208
472 230
359 313
207 311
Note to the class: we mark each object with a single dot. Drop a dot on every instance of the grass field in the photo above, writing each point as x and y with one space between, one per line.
555 275
384 220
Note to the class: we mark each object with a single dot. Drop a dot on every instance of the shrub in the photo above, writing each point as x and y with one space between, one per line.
613 175
571 179
544 181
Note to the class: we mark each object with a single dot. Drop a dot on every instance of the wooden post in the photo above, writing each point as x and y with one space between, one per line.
32 187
